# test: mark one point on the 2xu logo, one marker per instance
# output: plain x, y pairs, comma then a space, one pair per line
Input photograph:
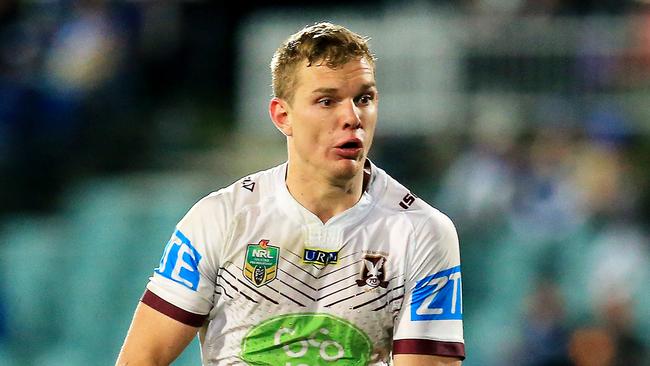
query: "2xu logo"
248, 184
438, 297
309, 339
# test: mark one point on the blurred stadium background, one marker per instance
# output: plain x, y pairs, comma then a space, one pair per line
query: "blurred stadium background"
527, 122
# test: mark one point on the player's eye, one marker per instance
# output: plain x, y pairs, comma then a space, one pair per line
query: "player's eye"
325, 102
365, 99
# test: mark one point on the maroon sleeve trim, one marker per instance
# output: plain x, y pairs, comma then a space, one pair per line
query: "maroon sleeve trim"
172, 311
429, 347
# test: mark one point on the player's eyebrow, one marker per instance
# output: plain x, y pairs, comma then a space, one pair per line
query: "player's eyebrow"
368, 86
325, 91
364, 87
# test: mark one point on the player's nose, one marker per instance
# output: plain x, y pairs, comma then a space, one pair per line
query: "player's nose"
350, 115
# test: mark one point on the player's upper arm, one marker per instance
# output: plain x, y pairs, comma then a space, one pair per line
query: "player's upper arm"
430, 320
424, 360
154, 339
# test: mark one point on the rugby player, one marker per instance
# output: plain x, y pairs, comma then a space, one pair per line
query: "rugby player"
322, 260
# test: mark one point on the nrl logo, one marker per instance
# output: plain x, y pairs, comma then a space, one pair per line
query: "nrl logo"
373, 274
261, 263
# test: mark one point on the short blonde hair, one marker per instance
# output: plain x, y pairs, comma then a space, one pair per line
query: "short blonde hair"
321, 43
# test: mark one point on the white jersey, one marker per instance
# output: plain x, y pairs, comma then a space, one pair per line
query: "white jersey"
272, 285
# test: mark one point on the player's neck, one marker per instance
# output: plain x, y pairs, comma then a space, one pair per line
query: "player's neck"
324, 197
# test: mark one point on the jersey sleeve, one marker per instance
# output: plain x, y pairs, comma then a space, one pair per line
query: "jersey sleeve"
183, 284
430, 319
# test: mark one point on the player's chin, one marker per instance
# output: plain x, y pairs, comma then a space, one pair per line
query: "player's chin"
347, 168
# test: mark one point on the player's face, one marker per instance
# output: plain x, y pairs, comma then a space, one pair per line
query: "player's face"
333, 117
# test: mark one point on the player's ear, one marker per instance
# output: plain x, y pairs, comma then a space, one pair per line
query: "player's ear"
279, 112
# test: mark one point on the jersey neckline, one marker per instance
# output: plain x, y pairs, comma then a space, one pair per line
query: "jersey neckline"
351, 216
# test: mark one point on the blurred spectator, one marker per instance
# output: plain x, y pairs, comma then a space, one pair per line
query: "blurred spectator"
478, 186
86, 51
597, 66
592, 346
616, 261
619, 319
611, 340
59, 63
636, 49
21, 44
546, 202
545, 330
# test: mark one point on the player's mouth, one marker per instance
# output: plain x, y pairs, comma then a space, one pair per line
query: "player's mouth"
350, 148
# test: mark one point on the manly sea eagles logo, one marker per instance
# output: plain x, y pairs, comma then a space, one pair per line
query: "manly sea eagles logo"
373, 273
261, 263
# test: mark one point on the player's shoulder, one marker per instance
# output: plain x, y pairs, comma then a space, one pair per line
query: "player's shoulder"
248, 190
397, 199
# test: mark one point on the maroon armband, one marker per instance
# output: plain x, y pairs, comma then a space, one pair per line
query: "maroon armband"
173, 311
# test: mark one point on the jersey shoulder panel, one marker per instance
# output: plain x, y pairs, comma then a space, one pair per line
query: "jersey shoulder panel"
218, 209
432, 230
430, 318
248, 190
400, 200
189, 268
